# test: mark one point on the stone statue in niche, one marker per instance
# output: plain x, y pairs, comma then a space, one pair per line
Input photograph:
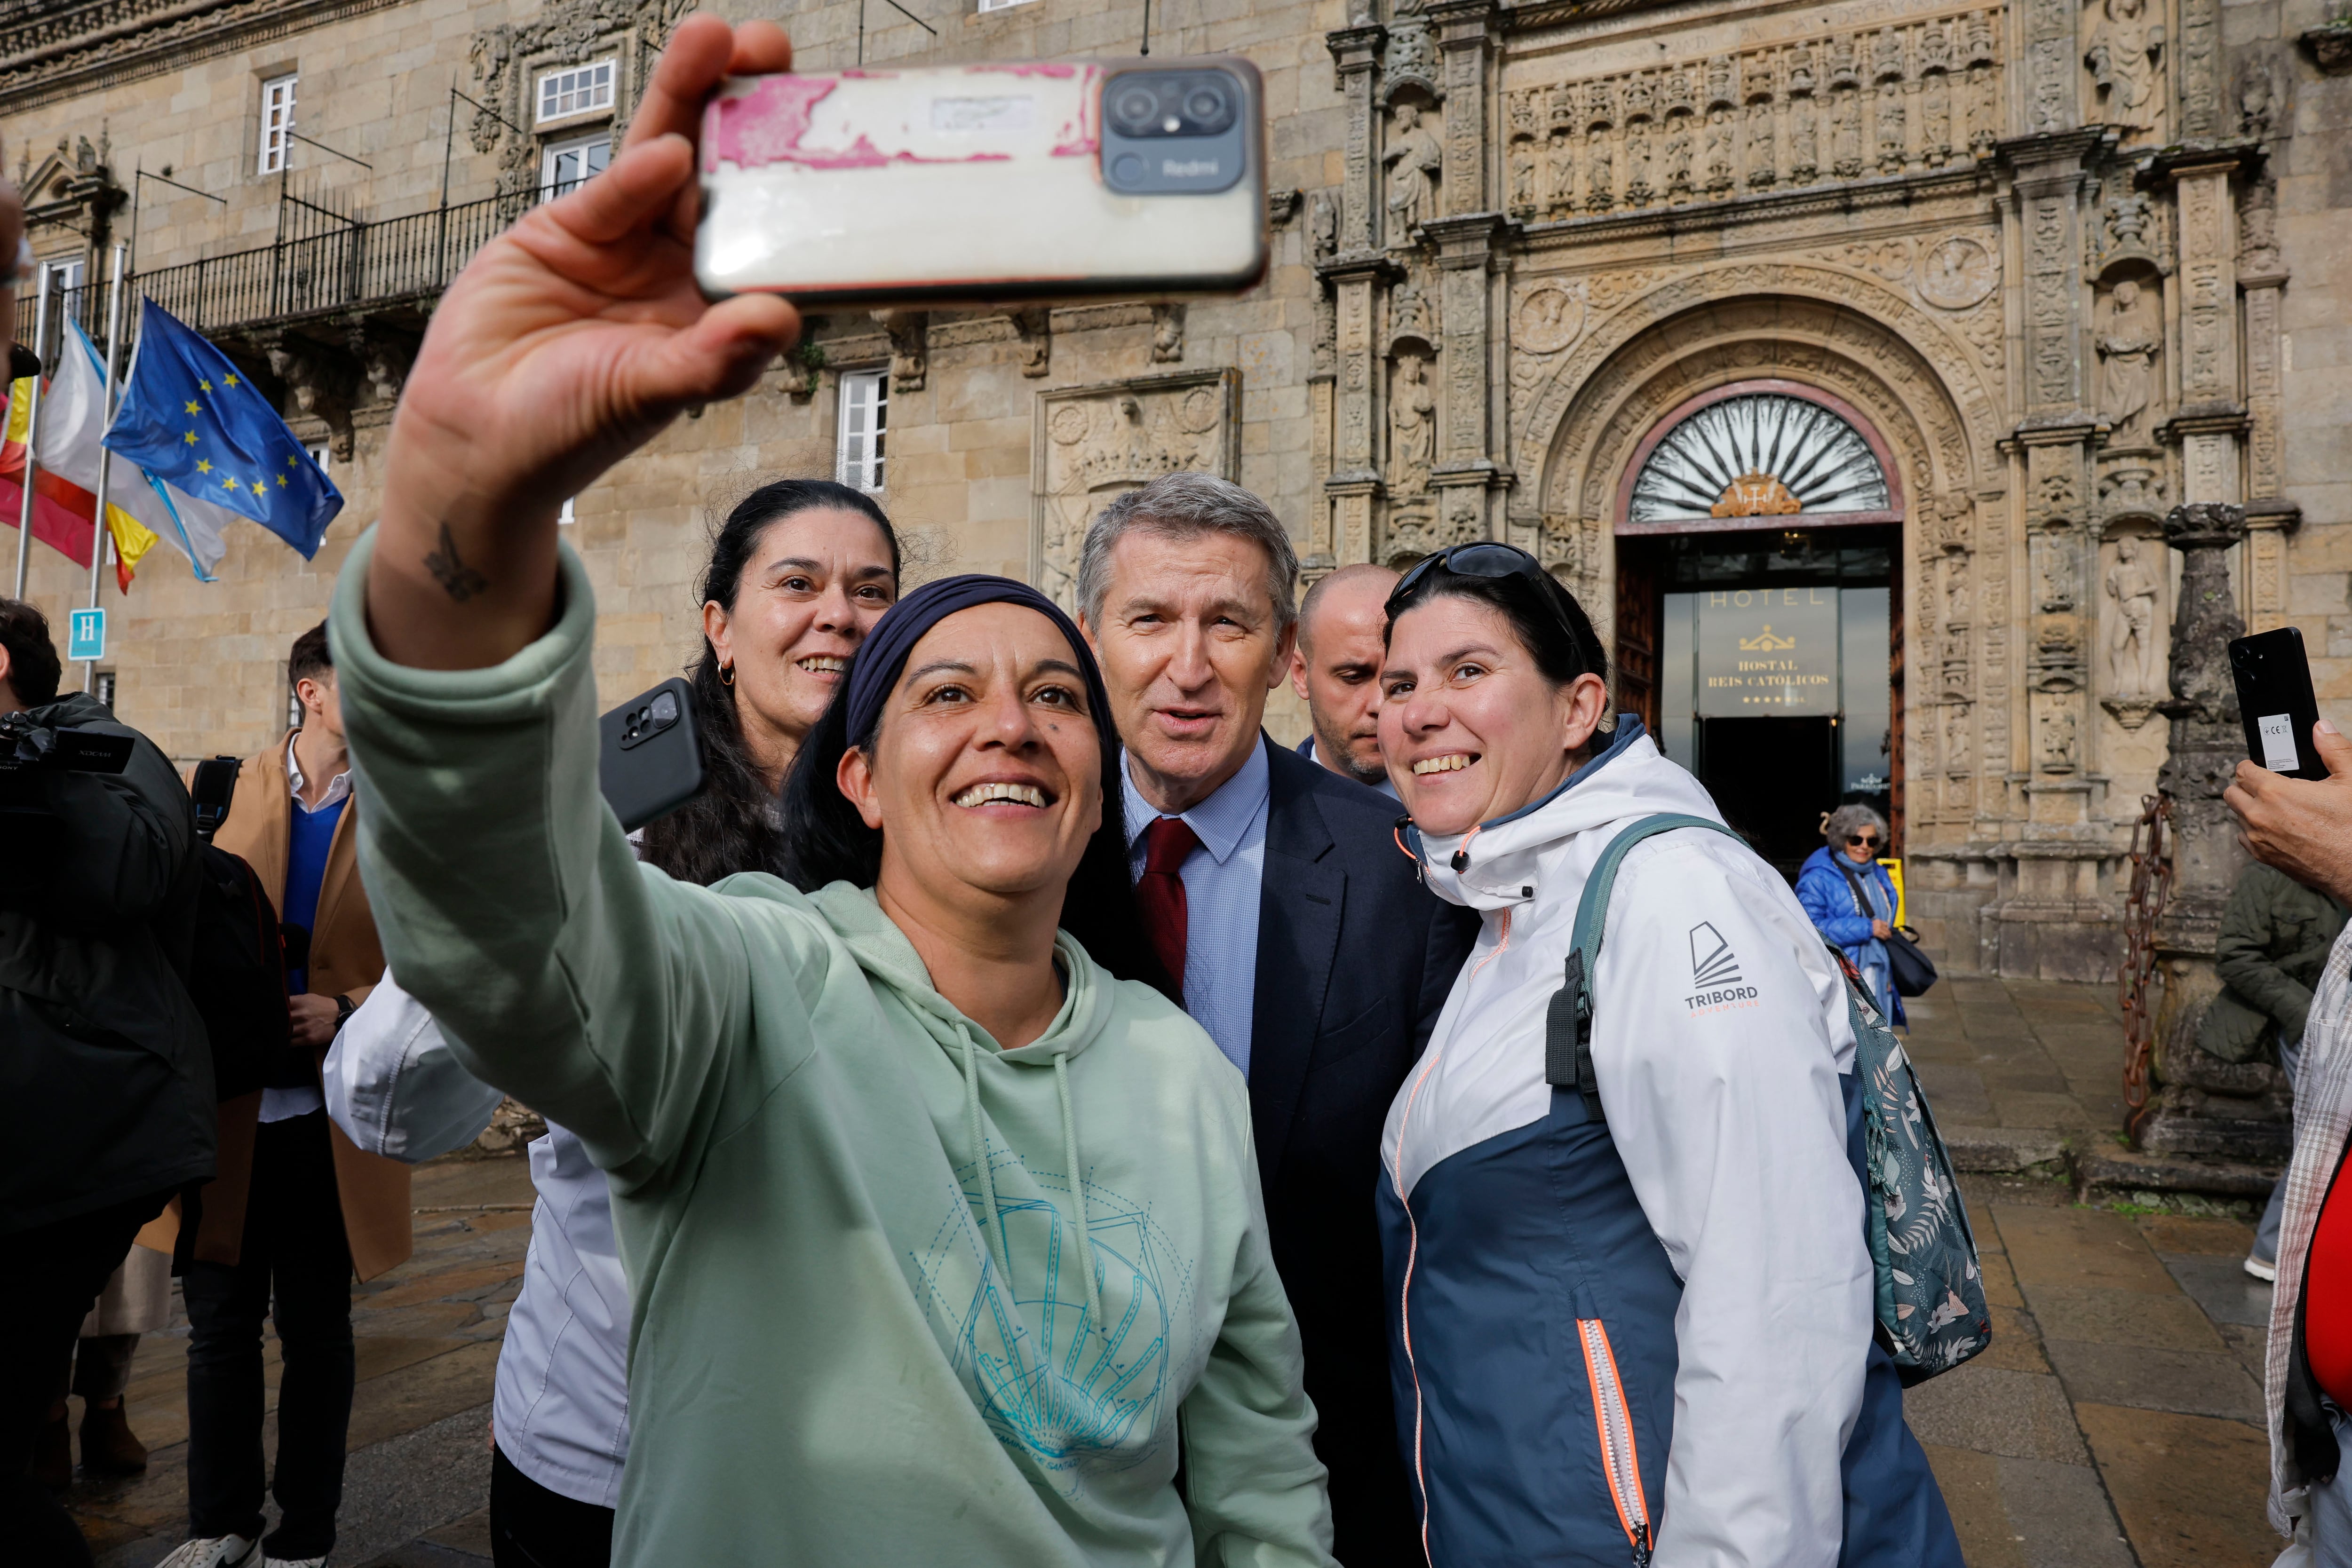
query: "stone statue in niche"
2127, 345
1559, 172
1678, 155
1414, 161
2125, 49
1412, 428
2058, 740
2137, 589
1523, 177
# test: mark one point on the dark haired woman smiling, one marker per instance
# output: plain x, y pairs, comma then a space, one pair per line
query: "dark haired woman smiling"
1644, 1339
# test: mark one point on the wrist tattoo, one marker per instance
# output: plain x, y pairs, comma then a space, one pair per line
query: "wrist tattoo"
457, 579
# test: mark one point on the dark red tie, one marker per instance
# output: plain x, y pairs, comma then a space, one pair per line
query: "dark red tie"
1161, 890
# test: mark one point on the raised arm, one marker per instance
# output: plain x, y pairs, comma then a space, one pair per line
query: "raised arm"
568, 341
394, 1087
601, 993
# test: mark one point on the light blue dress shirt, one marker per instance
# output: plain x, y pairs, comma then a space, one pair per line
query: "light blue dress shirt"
1223, 881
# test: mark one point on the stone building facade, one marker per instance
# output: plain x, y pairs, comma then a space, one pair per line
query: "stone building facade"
1934, 308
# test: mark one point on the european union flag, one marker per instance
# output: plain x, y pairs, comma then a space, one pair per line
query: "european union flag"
189, 417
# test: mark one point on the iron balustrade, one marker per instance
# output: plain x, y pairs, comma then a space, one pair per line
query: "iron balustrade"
359, 264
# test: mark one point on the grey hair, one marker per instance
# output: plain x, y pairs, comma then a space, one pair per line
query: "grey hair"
1183, 505
1851, 817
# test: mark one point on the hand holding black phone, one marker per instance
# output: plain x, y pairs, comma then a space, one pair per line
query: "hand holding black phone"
651, 760
2275, 699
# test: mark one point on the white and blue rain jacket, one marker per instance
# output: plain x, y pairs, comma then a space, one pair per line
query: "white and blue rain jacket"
1648, 1341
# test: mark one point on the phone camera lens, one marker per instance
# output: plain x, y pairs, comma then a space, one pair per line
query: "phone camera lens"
1135, 108
665, 709
1206, 107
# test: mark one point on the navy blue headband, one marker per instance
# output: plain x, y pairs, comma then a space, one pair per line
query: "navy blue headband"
875, 667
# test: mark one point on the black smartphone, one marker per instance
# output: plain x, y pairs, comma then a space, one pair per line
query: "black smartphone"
651, 761
2275, 699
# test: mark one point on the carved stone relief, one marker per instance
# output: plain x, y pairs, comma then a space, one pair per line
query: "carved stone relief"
1415, 161
1094, 443
1412, 430
910, 351
2124, 57
2135, 588
1548, 317
1956, 272
2129, 339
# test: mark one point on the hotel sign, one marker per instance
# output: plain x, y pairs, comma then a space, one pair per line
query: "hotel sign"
1765, 652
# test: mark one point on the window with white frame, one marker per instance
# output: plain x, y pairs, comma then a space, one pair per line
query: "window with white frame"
865, 410
319, 456
277, 123
988, 5
577, 90
565, 164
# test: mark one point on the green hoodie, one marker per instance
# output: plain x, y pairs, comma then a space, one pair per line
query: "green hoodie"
853, 1340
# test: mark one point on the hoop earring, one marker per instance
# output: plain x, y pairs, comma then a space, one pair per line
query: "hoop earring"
725, 674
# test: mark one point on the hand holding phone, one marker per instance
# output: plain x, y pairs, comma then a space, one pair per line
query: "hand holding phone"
650, 763
2276, 702
986, 183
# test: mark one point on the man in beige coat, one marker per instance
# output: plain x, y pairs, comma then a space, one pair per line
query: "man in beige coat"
297, 1208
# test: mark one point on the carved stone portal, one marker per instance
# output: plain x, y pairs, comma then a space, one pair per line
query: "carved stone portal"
1092, 443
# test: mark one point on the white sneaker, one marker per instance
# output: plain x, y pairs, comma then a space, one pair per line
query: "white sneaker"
215, 1552
2262, 1269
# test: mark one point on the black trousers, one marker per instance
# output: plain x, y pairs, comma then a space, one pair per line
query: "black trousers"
55, 1271
295, 1268
533, 1527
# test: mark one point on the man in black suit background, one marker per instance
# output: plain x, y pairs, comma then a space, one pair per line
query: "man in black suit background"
1336, 668
1300, 934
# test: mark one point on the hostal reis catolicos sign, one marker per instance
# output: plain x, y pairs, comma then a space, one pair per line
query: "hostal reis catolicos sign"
1768, 650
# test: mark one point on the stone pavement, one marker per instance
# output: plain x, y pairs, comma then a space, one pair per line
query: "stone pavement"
2116, 1420
417, 1487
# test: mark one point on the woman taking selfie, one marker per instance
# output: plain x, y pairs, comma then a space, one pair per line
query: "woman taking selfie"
1646, 1337
798, 574
934, 1219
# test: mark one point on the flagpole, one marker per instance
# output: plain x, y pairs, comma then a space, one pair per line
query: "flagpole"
99, 533
32, 430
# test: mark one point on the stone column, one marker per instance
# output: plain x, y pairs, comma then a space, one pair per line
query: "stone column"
2235, 1110
2269, 516
1353, 275
2211, 415
1468, 248
1464, 37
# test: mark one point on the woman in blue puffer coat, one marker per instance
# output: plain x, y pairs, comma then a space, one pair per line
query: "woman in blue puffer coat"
1851, 899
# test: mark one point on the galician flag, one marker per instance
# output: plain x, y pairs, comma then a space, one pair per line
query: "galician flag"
190, 418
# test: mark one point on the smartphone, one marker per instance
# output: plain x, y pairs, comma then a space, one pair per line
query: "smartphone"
2274, 697
651, 760
212, 791
979, 184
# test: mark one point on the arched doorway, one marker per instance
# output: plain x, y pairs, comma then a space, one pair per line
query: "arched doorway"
1758, 551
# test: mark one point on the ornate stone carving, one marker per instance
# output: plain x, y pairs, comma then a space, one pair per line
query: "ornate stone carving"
322, 380
1956, 272
909, 357
2137, 587
1547, 318
2130, 336
2127, 71
1035, 326
1167, 334
1412, 429
1094, 443
1415, 160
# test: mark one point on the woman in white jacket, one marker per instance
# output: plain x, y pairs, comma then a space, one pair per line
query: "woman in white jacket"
1646, 1338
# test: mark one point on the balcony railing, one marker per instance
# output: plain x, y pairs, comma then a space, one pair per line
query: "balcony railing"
355, 265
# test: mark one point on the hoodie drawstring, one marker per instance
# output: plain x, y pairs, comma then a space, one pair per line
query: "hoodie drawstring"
980, 1143
1078, 1188
1070, 1157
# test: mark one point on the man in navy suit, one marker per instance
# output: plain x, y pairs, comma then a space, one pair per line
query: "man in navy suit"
1299, 931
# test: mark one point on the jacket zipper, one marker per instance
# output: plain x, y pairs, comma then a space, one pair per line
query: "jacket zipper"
1614, 1422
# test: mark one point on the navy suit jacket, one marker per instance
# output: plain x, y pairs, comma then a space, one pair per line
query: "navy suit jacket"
1355, 958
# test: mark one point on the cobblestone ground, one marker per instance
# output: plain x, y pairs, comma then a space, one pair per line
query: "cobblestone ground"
2116, 1419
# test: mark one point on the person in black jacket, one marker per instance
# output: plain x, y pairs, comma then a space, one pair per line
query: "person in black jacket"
106, 1090
1298, 930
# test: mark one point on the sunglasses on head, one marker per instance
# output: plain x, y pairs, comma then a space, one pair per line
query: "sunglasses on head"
1486, 558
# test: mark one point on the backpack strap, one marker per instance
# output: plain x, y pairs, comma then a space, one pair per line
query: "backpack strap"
1568, 1022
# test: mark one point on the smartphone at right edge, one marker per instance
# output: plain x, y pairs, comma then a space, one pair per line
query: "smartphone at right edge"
2275, 698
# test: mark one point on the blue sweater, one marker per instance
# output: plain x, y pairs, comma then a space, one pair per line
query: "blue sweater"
306, 870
